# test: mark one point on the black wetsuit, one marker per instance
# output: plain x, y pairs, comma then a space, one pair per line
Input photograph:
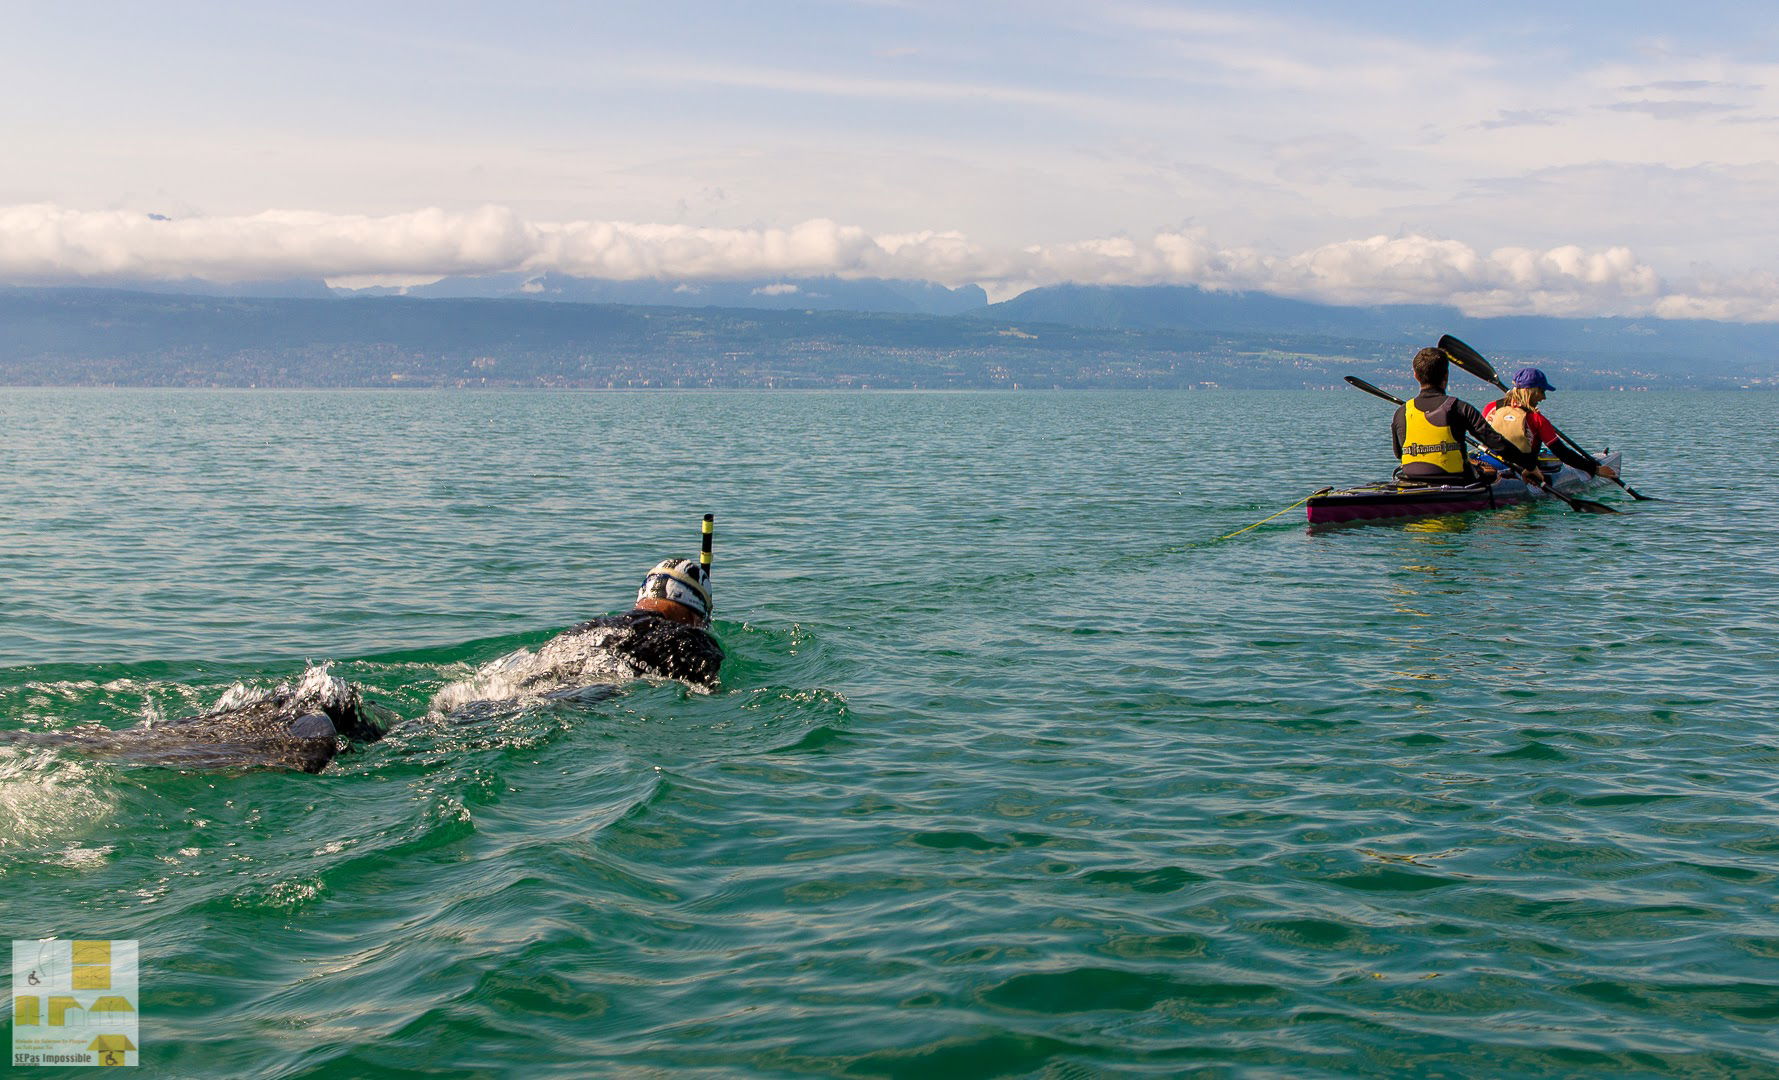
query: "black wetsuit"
301, 728
1461, 417
659, 645
589, 662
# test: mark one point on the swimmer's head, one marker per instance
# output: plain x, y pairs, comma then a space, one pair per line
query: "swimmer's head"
677, 589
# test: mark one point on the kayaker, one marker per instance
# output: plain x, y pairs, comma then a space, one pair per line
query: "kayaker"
1517, 419
1428, 433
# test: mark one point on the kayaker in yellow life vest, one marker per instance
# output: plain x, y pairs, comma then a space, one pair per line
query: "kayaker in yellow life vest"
1429, 433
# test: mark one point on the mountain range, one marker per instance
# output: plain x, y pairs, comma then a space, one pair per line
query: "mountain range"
546, 331
778, 294
1664, 342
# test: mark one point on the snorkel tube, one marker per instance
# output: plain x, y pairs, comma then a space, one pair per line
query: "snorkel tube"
704, 561
704, 552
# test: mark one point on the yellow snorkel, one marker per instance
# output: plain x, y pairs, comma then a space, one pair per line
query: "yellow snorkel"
704, 552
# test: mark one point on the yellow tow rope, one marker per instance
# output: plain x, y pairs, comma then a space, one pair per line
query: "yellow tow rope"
1286, 510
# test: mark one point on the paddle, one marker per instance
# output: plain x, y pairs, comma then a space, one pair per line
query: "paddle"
1472, 361
1584, 506
1374, 391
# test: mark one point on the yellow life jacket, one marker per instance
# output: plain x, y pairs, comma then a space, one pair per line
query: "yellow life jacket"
1427, 443
1510, 422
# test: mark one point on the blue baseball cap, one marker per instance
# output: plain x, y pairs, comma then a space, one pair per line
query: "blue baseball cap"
1530, 378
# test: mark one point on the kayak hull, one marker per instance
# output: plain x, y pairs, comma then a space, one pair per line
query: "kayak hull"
1389, 500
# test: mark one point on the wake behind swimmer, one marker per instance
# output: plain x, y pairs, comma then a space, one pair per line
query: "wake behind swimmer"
666, 634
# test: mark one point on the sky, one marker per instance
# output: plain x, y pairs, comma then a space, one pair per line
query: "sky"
1509, 158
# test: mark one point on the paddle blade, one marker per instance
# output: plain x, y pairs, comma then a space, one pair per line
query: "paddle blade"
1469, 359
1580, 506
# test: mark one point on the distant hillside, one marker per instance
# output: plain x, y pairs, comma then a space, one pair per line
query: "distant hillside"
1169, 306
1605, 351
269, 289
1667, 345
773, 294
100, 337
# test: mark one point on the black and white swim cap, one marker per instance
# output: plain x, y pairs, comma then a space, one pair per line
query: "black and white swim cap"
681, 581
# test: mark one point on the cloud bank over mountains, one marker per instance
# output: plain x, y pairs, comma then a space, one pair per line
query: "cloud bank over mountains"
49, 244
1505, 158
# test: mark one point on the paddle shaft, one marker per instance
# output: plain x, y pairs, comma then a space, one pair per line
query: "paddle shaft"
1361, 384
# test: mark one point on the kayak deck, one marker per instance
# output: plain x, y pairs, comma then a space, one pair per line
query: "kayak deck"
1389, 499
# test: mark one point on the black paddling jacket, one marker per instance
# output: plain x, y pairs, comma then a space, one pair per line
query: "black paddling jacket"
1461, 418
666, 648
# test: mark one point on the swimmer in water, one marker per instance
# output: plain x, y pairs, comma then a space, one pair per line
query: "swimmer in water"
666, 634
287, 727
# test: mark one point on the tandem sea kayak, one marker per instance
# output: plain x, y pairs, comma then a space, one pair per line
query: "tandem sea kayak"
1391, 499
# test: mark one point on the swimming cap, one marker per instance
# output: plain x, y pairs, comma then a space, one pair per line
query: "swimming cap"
678, 580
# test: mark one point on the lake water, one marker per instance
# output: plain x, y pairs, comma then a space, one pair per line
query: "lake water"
1016, 767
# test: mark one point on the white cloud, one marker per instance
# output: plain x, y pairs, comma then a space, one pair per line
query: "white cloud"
47, 241
1263, 53
844, 85
1752, 297
1377, 270
1295, 125
1509, 118
1684, 86
783, 288
1673, 110
48, 244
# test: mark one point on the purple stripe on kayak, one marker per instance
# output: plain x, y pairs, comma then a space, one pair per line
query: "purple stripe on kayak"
1331, 512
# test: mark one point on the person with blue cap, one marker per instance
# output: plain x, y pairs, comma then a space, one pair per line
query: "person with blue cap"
1517, 419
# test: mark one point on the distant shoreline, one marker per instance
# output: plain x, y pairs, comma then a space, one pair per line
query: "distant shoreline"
87, 337
814, 390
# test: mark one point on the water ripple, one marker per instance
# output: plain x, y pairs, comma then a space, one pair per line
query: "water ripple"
1015, 767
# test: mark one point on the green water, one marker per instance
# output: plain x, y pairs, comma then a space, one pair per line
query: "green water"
1014, 769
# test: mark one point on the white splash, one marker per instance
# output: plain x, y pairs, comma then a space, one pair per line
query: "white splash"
569, 660
330, 690
45, 797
